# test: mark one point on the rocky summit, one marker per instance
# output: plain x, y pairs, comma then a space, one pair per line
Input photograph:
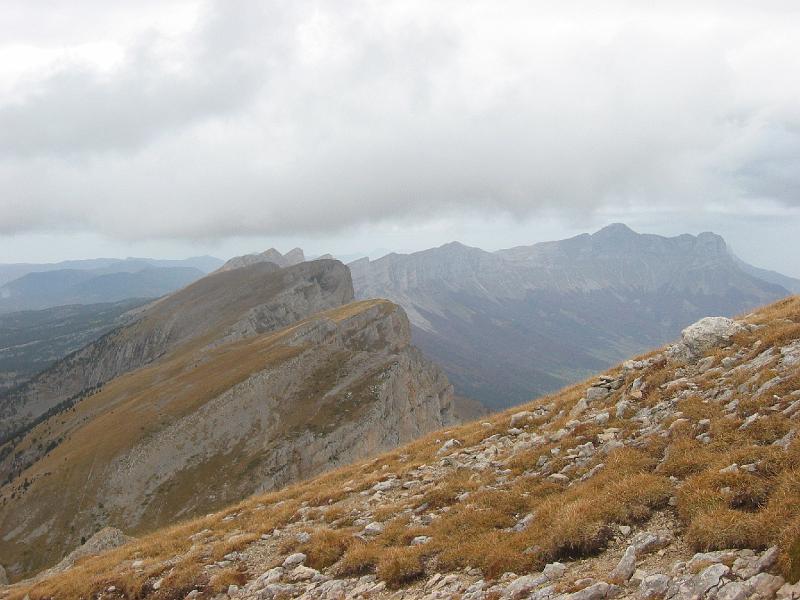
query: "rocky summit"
672, 476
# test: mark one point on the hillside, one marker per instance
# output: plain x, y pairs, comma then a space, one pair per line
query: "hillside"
673, 475
221, 306
32, 340
509, 325
244, 386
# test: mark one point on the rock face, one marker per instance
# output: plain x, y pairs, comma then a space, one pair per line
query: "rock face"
227, 306
251, 379
513, 324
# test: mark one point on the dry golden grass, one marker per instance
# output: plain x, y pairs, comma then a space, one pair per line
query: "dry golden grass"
220, 582
718, 511
326, 547
398, 566
359, 559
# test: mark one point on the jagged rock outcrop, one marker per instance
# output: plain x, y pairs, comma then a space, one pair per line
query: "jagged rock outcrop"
676, 479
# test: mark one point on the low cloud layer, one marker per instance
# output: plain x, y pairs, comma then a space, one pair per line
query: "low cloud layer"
281, 118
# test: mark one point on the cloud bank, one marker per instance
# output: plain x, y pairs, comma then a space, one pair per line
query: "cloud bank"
274, 118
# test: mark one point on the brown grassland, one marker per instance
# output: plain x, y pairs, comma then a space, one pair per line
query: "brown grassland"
715, 510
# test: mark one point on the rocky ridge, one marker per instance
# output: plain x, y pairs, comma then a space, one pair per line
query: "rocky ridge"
227, 306
672, 476
253, 388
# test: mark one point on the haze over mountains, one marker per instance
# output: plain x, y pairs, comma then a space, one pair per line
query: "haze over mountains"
39, 286
9, 272
31, 340
510, 325
505, 325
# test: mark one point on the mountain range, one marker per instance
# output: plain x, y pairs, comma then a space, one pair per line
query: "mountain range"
513, 324
36, 291
11, 271
243, 381
271, 369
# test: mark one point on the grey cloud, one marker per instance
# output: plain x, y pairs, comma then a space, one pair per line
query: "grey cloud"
77, 110
309, 117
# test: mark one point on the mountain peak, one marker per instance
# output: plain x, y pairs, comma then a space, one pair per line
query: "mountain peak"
615, 230
293, 257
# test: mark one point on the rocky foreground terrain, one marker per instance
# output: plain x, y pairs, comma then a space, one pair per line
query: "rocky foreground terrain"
675, 475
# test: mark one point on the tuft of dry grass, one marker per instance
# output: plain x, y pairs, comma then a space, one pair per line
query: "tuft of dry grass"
398, 566
789, 559
359, 559
221, 581
326, 547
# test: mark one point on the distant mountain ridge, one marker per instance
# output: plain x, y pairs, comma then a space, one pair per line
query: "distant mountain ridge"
36, 291
509, 325
11, 271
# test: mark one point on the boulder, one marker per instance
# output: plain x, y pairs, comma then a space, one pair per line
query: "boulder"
373, 528
293, 560
596, 591
645, 542
520, 418
789, 591
710, 578
554, 570
522, 586
625, 567
523, 523
703, 335
595, 393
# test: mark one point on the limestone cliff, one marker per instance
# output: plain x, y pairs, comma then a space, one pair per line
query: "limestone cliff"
233, 304
210, 425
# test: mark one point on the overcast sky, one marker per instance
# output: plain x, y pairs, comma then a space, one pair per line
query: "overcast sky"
160, 127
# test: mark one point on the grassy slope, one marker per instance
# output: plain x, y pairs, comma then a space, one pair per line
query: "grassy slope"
763, 508
128, 410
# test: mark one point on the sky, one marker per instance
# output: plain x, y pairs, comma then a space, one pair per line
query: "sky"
172, 128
